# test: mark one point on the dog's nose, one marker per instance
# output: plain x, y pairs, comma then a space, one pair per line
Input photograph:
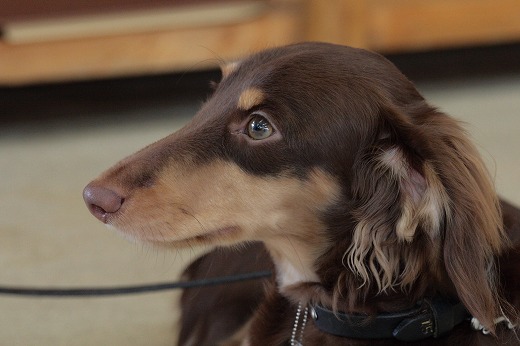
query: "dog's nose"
101, 201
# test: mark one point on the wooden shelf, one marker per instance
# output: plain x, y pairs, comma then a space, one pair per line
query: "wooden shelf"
411, 25
136, 53
381, 25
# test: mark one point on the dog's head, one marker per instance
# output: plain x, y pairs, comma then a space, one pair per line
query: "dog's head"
330, 156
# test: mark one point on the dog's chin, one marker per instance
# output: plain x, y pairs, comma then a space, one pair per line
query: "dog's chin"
221, 236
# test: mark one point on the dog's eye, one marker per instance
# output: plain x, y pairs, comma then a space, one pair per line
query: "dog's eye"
259, 128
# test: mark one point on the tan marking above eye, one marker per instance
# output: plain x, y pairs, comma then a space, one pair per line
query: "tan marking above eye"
250, 98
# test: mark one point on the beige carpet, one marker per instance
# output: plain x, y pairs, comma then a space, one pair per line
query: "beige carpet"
49, 238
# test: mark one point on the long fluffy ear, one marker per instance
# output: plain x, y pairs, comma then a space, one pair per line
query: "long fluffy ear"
474, 232
400, 212
426, 206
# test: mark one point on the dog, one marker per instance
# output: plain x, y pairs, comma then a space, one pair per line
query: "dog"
374, 209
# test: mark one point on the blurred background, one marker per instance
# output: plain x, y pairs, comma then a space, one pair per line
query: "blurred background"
84, 83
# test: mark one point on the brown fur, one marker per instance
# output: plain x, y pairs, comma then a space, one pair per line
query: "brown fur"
366, 198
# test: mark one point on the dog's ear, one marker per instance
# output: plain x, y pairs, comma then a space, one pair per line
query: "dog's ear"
426, 204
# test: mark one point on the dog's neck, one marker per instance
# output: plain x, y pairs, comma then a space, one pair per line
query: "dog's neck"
294, 262
296, 271
298, 280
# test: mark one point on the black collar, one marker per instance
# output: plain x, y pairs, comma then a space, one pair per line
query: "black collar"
430, 318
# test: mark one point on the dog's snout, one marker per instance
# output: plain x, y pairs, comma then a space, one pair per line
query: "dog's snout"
102, 201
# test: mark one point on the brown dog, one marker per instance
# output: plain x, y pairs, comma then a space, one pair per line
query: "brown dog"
375, 208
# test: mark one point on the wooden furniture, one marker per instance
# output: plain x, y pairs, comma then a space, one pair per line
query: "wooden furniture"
157, 44
179, 47
411, 25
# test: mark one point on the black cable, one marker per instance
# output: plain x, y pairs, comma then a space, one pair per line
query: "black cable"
92, 292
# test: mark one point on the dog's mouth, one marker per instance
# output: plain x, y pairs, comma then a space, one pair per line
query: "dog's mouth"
142, 223
223, 235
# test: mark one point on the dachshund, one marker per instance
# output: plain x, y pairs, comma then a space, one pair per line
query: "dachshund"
323, 162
